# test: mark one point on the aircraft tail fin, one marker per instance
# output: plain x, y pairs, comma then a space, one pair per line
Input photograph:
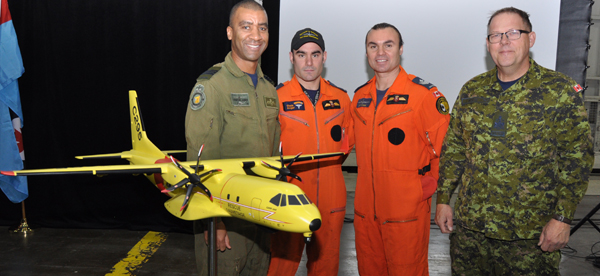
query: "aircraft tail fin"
139, 139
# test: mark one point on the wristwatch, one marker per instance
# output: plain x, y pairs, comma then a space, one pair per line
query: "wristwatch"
561, 218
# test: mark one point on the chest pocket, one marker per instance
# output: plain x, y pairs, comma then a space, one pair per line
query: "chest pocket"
272, 121
397, 136
530, 138
239, 123
474, 119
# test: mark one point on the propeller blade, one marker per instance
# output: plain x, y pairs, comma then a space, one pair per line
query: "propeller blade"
176, 186
280, 153
283, 170
295, 158
198, 162
180, 166
194, 178
296, 177
187, 197
211, 171
269, 165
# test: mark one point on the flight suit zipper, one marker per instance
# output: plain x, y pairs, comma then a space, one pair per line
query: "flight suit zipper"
262, 121
295, 118
431, 144
372, 168
395, 115
331, 118
398, 221
318, 151
335, 210
359, 117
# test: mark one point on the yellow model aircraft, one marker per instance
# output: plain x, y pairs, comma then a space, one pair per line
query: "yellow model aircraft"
245, 188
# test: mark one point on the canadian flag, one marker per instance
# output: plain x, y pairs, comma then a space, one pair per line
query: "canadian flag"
16, 122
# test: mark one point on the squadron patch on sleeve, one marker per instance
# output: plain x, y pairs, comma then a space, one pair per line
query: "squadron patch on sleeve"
198, 97
331, 104
442, 105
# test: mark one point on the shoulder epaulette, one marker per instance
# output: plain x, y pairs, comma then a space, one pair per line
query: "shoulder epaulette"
280, 85
337, 87
362, 86
209, 73
422, 82
269, 80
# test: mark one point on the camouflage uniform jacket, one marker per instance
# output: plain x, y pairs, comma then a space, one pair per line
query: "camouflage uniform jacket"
231, 117
521, 155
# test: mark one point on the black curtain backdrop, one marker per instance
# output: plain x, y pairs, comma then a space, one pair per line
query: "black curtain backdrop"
81, 58
573, 37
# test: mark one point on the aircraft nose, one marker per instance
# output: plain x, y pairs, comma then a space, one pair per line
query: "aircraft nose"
315, 224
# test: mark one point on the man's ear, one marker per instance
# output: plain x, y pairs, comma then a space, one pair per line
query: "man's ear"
229, 33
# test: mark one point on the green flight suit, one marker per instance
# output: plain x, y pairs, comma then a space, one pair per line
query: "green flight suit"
233, 119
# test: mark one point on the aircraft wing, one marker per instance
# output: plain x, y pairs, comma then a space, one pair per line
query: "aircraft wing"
119, 155
255, 163
94, 170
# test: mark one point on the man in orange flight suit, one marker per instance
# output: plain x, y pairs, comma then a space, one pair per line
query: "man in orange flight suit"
315, 118
400, 122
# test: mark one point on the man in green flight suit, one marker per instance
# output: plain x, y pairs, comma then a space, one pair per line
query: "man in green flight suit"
519, 144
233, 110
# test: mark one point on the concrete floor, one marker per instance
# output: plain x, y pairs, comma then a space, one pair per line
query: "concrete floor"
50, 251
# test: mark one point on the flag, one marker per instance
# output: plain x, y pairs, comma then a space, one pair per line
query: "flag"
11, 116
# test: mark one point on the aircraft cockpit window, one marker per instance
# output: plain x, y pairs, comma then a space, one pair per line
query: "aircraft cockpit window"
309, 201
303, 199
283, 202
275, 200
293, 200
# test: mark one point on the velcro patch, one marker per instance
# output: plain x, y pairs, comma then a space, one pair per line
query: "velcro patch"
240, 99
364, 102
442, 106
421, 81
471, 100
198, 97
397, 99
331, 104
578, 88
499, 126
293, 106
270, 102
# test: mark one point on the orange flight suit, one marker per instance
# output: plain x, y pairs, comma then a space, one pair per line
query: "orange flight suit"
319, 128
397, 151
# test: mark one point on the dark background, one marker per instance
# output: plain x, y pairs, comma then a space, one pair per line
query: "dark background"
81, 58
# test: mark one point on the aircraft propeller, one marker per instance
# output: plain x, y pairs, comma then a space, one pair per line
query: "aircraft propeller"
193, 179
284, 170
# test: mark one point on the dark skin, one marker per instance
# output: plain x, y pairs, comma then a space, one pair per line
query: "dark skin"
249, 35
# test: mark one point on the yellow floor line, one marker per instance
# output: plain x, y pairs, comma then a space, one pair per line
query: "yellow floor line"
139, 254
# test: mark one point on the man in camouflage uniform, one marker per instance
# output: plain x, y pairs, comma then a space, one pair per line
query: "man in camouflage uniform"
520, 147
233, 111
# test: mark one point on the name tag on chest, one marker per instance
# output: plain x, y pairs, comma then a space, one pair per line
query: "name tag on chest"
240, 99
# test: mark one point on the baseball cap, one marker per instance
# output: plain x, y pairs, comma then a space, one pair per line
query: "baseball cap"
307, 35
